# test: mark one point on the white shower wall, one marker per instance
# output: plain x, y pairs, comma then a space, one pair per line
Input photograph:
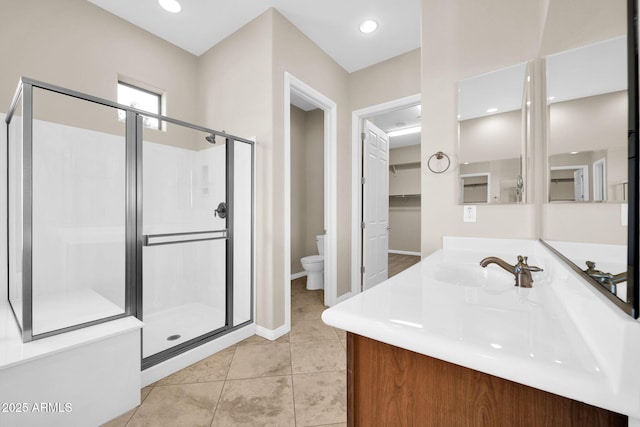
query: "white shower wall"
79, 216
182, 189
78, 211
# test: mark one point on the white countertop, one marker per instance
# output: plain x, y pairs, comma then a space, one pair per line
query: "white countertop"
450, 308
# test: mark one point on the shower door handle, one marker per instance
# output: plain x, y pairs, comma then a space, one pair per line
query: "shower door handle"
221, 211
183, 237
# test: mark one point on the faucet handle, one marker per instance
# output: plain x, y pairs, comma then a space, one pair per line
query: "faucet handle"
522, 263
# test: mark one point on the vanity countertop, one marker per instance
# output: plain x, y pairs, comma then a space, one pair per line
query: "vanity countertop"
450, 308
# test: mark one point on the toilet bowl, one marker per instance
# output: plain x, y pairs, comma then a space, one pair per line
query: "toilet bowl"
314, 266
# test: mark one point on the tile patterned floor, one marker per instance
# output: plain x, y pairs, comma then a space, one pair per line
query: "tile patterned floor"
297, 380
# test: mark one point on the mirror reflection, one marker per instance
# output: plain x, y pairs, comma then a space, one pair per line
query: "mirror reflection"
492, 123
584, 48
587, 111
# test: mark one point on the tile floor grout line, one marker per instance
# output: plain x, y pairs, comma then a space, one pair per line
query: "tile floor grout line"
293, 388
138, 407
308, 303
215, 409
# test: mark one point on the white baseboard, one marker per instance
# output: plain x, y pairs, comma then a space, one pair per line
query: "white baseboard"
392, 251
272, 334
163, 369
298, 275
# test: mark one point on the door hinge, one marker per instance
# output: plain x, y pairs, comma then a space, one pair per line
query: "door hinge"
363, 136
363, 225
363, 180
362, 269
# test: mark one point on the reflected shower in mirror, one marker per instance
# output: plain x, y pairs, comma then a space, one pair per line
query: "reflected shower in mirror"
587, 108
492, 129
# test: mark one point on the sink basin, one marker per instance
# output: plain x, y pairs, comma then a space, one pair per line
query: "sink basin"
490, 278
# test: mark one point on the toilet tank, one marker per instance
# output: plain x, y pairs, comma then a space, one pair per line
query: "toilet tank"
320, 244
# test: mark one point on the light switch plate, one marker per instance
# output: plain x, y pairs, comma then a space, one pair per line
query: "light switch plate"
624, 215
469, 213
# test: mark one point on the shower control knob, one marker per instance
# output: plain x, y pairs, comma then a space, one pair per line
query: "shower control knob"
222, 210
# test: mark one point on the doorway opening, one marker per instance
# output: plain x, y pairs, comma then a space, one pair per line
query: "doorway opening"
324, 222
569, 183
400, 120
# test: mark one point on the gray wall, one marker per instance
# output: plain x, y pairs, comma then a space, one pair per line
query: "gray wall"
307, 183
236, 86
460, 39
404, 212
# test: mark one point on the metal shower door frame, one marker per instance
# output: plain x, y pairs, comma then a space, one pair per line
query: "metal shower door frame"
134, 240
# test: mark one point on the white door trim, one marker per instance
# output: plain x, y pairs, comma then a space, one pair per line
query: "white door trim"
471, 175
306, 92
356, 173
600, 180
585, 177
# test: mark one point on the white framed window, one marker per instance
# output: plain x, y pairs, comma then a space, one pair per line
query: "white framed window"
142, 99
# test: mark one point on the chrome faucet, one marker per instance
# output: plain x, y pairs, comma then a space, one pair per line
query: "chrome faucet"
521, 271
607, 280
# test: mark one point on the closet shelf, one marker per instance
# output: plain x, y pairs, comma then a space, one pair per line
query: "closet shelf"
404, 196
402, 166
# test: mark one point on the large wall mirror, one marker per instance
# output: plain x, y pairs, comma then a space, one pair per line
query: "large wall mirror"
493, 117
587, 116
591, 179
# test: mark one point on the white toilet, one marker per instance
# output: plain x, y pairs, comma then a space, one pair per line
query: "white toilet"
314, 266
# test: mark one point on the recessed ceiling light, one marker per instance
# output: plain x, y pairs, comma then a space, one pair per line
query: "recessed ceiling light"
492, 110
574, 152
170, 5
368, 26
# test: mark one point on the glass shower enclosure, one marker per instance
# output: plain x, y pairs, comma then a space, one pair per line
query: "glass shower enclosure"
107, 218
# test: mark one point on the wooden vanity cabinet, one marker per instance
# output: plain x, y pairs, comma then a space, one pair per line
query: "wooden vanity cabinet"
391, 386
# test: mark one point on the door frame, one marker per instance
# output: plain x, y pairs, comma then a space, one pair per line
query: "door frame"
471, 175
309, 94
585, 177
357, 117
600, 180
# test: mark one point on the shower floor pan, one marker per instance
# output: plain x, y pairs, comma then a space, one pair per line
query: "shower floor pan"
165, 329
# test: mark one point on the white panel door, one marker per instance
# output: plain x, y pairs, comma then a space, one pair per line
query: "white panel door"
578, 184
375, 206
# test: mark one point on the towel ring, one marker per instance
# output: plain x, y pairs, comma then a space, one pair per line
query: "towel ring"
439, 156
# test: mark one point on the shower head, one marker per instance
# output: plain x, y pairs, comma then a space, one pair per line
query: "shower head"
210, 139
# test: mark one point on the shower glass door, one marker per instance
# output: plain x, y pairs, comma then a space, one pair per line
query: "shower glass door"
184, 234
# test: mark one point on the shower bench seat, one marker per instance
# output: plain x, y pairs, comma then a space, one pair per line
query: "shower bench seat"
83, 377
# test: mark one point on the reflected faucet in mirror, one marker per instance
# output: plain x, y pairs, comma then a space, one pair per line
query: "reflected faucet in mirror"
521, 270
607, 280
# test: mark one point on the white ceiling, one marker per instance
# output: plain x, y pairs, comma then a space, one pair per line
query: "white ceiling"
332, 24
501, 89
399, 119
590, 70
